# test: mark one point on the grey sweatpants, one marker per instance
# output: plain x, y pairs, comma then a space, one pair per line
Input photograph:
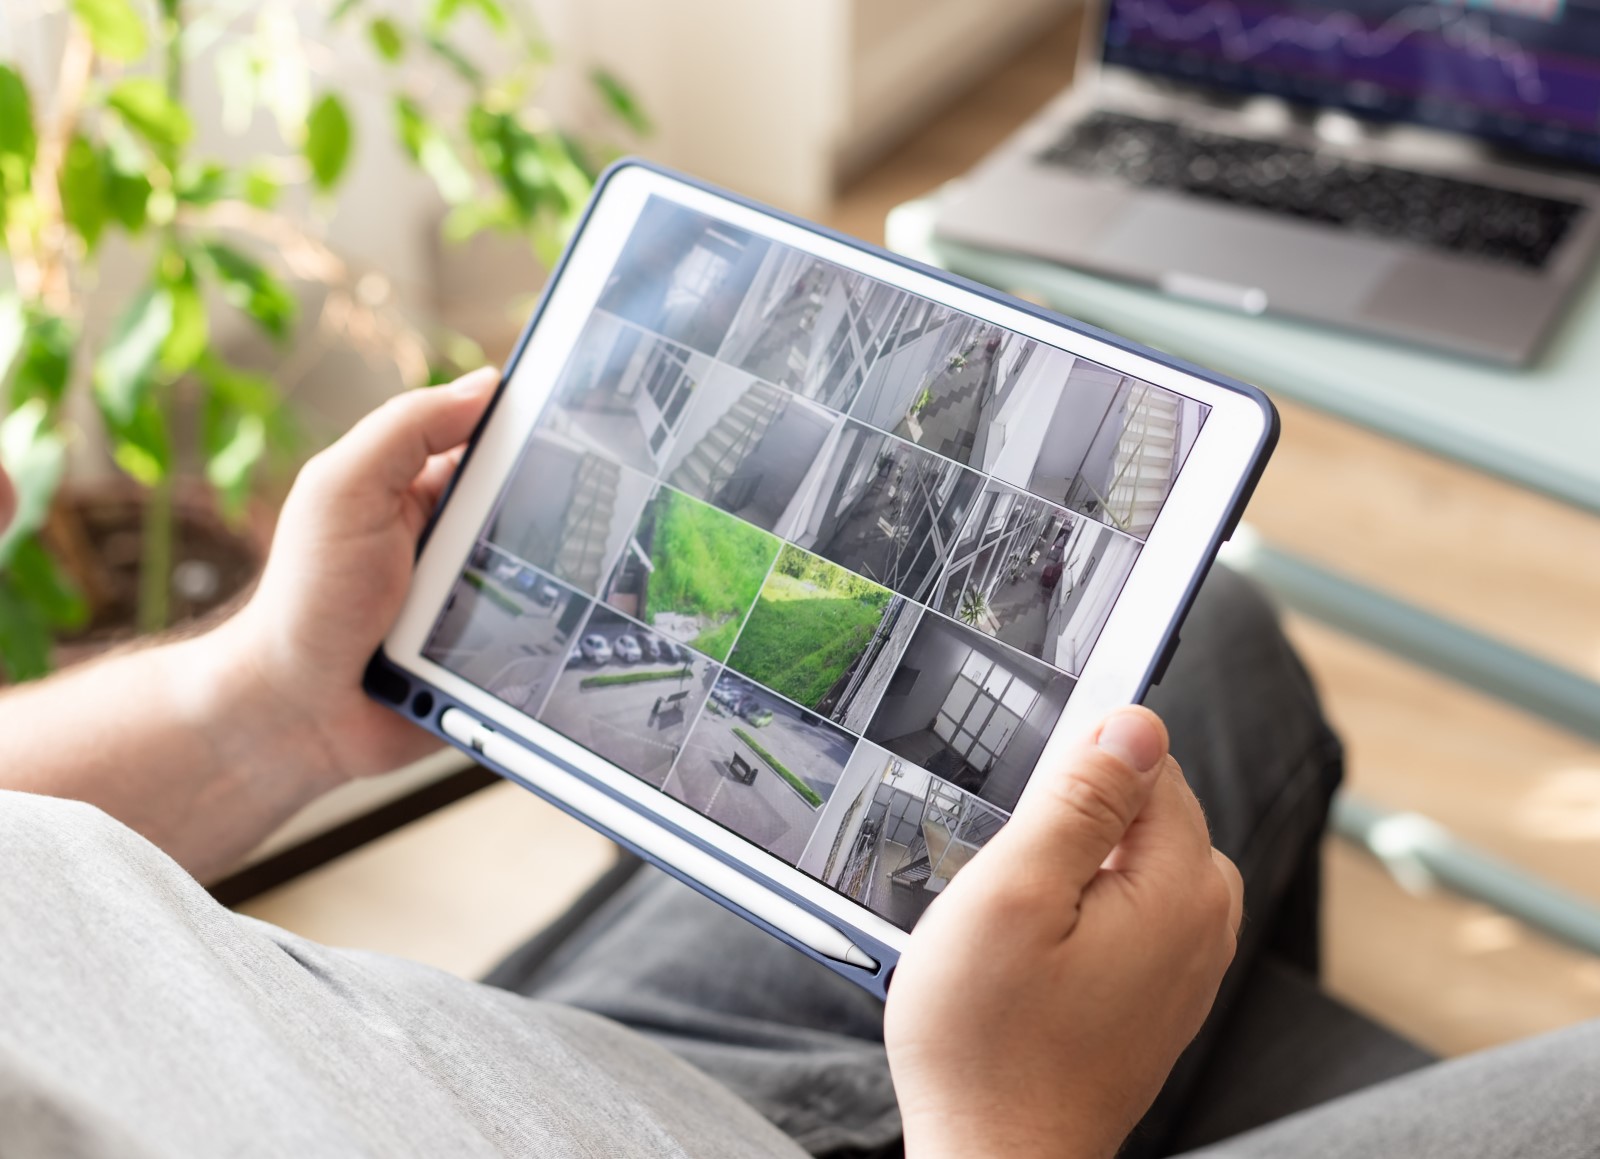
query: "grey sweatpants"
139, 1018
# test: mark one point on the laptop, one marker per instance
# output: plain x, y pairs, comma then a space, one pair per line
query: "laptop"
1428, 172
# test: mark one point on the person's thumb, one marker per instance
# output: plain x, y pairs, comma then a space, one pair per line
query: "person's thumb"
1071, 817
387, 448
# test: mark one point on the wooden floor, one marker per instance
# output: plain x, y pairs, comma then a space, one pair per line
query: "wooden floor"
461, 887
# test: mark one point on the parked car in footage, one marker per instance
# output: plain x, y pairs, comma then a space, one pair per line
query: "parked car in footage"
627, 649
547, 594
756, 713
651, 647
596, 648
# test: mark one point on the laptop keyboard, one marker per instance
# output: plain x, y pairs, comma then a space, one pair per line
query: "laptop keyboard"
1441, 213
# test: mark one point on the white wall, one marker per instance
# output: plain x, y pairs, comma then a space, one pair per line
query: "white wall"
938, 657
780, 99
866, 768
1029, 416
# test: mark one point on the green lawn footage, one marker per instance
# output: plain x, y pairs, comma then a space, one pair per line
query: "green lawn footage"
812, 621
708, 565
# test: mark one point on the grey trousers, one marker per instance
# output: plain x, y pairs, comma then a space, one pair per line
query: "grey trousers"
805, 1048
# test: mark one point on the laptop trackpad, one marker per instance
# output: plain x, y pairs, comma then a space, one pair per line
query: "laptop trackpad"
1299, 267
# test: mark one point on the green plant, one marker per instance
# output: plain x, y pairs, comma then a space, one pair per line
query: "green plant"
973, 607
492, 592
812, 623
807, 793
706, 564
117, 155
609, 681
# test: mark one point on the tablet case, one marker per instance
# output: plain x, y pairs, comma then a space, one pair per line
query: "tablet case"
413, 696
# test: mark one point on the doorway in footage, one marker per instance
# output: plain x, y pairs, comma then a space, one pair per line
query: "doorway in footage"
895, 835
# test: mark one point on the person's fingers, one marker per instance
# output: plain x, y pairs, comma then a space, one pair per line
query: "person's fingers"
1170, 837
435, 476
389, 448
1072, 817
1235, 884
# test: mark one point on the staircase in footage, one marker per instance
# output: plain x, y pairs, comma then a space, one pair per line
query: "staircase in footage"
1145, 461
714, 463
581, 556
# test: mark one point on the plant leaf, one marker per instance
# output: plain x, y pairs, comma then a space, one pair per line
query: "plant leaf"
241, 421
455, 58
429, 148
190, 332
35, 598
146, 109
202, 183
232, 467
123, 371
387, 39
342, 9
114, 28
493, 13
328, 139
142, 446
46, 359
261, 189
13, 329
44, 585
82, 185
127, 188
34, 454
17, 141
24, 635
249, 287
621, 101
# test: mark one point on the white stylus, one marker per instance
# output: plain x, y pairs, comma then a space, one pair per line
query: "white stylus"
639, 831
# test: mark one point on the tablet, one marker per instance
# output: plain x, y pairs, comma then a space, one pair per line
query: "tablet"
784, 561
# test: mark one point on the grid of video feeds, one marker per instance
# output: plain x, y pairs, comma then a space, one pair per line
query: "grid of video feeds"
817, 557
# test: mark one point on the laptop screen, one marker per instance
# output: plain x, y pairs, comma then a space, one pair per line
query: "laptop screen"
1525, 72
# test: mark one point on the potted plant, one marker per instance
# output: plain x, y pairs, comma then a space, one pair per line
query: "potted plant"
112, 153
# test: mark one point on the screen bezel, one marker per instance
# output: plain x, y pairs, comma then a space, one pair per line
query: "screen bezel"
1221, 465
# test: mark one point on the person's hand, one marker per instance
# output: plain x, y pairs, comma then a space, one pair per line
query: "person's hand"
1047, 992
337, 576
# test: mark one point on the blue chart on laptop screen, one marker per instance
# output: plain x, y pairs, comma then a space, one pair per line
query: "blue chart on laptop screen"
817, 557
1525, 71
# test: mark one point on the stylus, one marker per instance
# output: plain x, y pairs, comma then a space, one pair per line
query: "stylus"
638, 830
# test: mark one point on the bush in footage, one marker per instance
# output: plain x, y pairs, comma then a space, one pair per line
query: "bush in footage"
615, 678
807, 793
812, 621
706, 564
492, 593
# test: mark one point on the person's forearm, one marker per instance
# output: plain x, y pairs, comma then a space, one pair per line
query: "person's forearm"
179, 741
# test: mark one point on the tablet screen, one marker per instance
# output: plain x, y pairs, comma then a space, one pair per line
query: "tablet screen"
817, 557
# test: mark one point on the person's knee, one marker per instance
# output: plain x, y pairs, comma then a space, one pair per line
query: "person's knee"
45, 839
1231, 644
1231, 614
1245, 720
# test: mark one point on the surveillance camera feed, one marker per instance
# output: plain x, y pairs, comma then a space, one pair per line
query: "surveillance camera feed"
817, 557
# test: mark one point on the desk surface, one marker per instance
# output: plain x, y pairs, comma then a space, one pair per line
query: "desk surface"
1539, 428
